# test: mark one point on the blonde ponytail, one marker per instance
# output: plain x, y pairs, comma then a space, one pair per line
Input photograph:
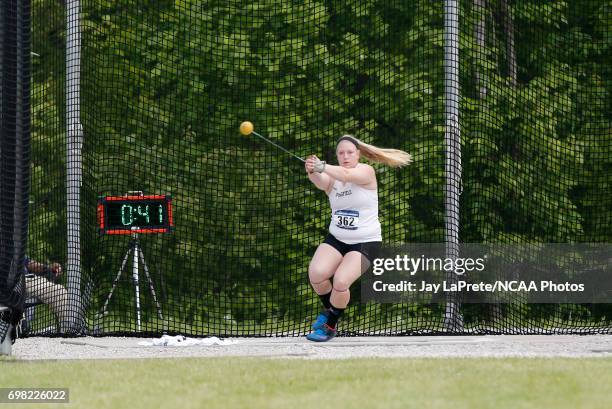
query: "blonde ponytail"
390, 157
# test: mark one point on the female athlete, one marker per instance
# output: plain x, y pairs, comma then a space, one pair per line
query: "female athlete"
354, 231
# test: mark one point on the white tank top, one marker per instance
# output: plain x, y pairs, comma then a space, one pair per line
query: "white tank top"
354, 213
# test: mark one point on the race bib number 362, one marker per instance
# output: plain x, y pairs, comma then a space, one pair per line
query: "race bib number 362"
347, 219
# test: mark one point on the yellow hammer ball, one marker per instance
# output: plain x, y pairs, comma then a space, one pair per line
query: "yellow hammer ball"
246, 128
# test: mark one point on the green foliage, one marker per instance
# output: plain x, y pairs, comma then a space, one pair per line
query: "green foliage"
165, 85
530, 159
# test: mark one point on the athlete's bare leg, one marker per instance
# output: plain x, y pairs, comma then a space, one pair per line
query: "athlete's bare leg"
322, 267
349, 270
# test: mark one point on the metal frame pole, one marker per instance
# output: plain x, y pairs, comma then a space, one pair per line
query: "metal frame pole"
74, 171
452, 140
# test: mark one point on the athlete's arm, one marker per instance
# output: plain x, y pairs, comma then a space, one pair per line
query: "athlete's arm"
362, 174
320, 180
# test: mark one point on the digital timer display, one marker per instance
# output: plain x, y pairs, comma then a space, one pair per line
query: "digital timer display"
135, 214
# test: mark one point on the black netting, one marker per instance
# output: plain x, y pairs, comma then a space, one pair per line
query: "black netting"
165, 85
536, 139
14, 156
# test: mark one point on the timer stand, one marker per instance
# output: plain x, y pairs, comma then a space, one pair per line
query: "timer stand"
137, 257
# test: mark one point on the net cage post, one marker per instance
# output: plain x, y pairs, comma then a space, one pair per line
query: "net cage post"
14, 163
74, 165
452, 142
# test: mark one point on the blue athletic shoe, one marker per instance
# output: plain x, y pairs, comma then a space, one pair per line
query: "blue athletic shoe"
325, 333
320, 321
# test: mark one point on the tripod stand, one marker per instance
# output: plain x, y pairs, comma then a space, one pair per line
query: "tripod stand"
137, 256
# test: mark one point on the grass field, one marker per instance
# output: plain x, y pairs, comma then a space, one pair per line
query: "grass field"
281, 383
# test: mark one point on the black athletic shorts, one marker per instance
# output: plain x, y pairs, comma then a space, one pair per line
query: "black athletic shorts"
369, 249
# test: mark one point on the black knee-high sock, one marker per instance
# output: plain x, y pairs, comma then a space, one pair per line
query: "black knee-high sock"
325, 299
334, 315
